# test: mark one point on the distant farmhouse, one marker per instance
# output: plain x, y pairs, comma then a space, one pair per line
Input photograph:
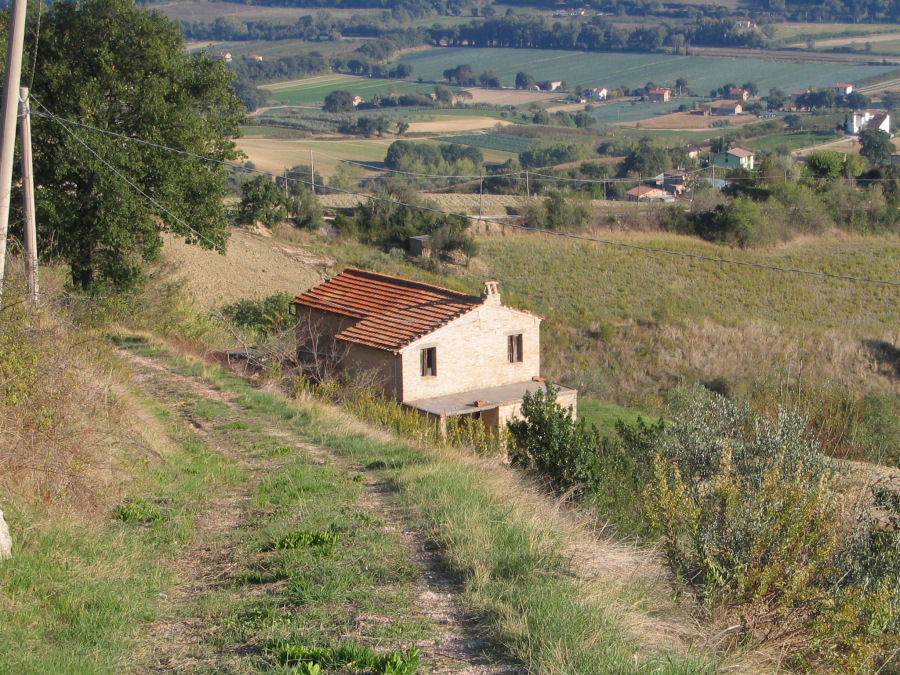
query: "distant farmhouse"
843, 88
659, 95
868, 119
646, 193
735, 158
727, 109
438, 351
738, 94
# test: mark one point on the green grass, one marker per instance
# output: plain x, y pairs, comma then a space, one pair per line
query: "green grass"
794, 140
604, 415
315, 89
616, 69
75, 595
510, 565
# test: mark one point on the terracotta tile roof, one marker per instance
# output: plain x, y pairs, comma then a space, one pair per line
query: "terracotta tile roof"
392, 312
642, 190
740, 152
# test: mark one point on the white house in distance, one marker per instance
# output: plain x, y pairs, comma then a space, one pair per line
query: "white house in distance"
439, 351
842, 88
735, 158
868, 119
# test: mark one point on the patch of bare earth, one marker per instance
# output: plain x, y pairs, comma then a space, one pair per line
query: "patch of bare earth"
177, 640
253, 266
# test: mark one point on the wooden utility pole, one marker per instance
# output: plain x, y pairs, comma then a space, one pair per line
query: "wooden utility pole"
31, 261
8, 116
312, 171
481, 197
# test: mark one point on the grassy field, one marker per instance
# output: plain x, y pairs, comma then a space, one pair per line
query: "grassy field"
635, 70
794, 140
315, 89
554, 276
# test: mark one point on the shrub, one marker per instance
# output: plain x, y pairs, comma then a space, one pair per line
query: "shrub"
267, 315
751, 525
549, 439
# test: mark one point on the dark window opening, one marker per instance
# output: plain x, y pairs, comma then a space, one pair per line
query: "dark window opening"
514, 347
429, 361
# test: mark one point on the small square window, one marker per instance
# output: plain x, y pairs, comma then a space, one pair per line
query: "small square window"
429, 361
514, 348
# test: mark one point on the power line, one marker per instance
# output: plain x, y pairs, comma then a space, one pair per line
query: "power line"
607, 242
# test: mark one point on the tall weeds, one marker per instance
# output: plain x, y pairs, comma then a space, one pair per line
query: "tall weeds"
363, 400
58, 406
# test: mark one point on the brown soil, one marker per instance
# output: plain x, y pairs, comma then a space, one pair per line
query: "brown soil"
685, 121
440, 126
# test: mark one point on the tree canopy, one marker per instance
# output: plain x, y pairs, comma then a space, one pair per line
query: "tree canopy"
875, 145
119, 68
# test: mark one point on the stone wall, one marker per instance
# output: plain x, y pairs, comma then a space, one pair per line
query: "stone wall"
472, 353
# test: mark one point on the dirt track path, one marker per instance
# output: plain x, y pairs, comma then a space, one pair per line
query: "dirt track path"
187, 635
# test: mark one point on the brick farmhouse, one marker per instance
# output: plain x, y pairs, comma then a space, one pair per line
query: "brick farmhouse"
439, 351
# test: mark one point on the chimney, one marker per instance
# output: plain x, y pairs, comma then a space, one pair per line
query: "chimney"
491, 294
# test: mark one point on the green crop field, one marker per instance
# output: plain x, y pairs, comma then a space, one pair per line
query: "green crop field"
504, 142
315, 89
635, 70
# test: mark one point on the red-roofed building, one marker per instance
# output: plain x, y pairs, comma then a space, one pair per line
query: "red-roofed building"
660, 95
440, 351
646, 193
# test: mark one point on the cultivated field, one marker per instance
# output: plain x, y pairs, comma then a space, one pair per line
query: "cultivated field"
859, 40
276, 154
453, 123
315, 89
509, 96
685, 120
791, 29
635, 70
